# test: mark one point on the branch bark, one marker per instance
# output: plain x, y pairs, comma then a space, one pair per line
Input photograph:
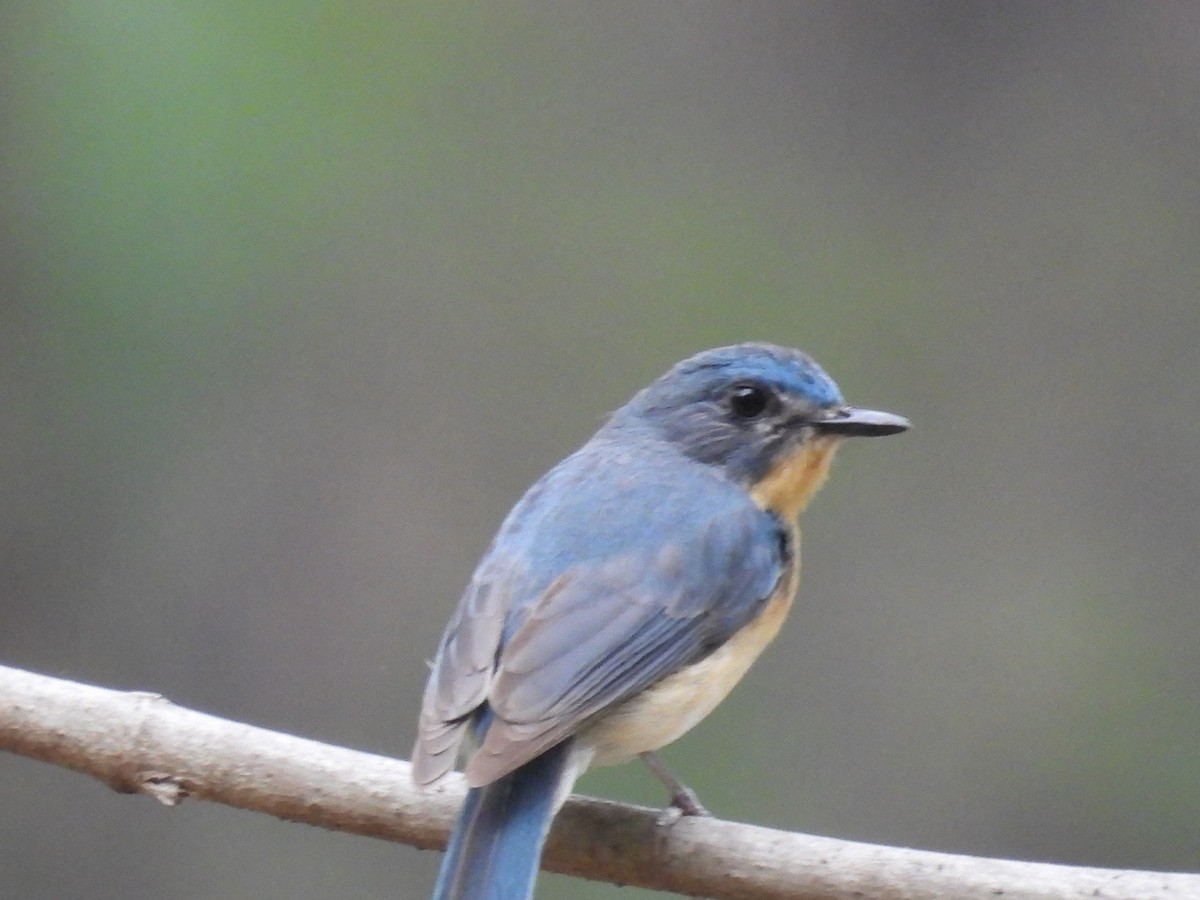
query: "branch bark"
141, 743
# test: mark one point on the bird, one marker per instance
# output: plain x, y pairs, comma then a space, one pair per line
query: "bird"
624, 596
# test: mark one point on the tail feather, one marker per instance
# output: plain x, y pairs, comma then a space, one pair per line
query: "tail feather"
496, 848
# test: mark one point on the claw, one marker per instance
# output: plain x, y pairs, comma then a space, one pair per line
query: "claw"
684, 801
688, 804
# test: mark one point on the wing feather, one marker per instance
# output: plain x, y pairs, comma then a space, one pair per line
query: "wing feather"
615, 627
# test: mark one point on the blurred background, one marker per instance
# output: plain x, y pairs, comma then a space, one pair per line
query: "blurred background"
296, 300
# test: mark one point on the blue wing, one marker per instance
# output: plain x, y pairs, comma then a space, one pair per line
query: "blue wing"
616, 570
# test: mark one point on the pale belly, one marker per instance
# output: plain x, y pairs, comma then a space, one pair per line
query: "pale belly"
664, 712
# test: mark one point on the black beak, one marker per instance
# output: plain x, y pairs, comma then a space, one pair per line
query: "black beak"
851, 422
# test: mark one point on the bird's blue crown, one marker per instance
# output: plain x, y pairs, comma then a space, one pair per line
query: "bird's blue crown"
702, 376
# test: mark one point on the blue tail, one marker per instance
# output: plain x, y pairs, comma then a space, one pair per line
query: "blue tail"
496, 848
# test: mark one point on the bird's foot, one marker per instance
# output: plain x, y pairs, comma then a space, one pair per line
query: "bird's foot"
684, 801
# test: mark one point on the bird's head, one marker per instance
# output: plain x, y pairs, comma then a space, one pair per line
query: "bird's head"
769, 417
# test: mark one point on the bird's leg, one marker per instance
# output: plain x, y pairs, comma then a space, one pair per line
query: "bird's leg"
684, 801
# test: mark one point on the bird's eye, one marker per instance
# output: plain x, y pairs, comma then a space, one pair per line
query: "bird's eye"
749, 401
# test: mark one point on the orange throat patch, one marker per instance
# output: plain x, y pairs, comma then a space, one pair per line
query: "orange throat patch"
790, 484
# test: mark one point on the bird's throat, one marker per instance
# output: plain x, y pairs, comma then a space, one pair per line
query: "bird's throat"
788, 486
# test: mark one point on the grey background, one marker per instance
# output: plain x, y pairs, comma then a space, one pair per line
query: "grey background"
296, 300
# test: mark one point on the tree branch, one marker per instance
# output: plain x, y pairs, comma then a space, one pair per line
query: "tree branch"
141, 743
